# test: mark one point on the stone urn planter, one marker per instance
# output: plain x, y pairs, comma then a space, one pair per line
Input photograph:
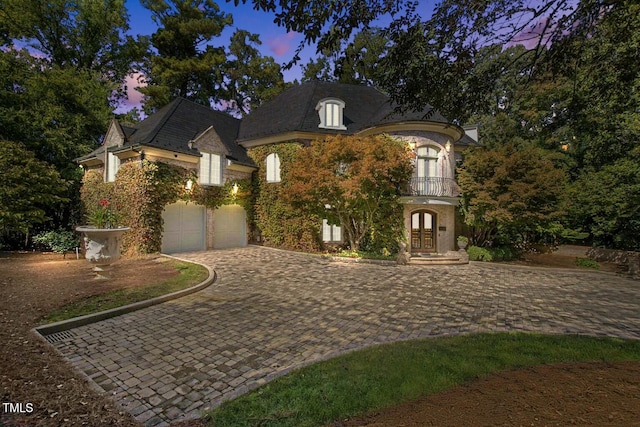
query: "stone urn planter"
102, 246
462, 242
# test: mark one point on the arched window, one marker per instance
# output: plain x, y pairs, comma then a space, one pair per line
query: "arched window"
273, 168
331, 113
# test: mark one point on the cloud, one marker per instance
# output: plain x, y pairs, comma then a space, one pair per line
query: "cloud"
540, 32
133, 81
134, 98
282, 44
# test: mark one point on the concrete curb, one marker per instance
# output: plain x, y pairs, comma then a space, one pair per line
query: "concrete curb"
64, 325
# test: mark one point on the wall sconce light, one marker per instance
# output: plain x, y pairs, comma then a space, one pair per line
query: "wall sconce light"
447, 146
234, 190
189, 185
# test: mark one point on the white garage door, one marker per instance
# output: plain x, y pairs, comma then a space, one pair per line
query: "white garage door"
229, 227
184, 228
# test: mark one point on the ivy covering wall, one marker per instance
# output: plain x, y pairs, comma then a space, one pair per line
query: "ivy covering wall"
281, 225
141, 191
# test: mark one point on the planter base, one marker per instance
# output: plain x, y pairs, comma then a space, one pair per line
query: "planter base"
102, 247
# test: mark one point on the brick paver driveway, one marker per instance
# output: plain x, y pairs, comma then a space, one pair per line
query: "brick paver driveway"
272, 310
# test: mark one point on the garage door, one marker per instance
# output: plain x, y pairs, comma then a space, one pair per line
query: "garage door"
229, 227
184, 228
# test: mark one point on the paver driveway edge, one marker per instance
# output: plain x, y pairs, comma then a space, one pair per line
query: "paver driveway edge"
64, 325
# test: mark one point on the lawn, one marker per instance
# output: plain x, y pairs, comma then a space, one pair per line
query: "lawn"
380, 377
188, 275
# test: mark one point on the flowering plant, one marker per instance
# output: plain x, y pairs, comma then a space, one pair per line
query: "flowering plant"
104, 216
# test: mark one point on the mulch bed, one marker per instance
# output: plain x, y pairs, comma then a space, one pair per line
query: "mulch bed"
32, 285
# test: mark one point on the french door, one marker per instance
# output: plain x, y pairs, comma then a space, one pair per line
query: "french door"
423, 231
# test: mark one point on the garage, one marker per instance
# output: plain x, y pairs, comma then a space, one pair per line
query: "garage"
184, 228
230, 227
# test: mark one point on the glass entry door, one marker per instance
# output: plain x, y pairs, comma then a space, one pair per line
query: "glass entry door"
423, 236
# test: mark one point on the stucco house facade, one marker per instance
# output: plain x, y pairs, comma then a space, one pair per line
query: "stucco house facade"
317, 109
218, 147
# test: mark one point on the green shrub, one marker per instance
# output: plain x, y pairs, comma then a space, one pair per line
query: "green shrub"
490, 254
587, 263
477, 253
58, 241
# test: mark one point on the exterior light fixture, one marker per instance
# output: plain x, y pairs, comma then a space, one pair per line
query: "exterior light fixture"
447, 146
234, 190
189, 185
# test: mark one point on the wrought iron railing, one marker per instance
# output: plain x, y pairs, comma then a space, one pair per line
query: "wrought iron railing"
432, 186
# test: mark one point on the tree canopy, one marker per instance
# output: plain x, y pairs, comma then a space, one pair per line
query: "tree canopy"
25, 197
351, 181
188, 63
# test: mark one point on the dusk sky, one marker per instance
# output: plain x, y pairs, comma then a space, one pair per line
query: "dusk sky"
275, 40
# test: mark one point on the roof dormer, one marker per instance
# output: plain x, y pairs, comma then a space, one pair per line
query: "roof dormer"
331, 112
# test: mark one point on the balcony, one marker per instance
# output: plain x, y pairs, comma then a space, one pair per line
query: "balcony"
432, 186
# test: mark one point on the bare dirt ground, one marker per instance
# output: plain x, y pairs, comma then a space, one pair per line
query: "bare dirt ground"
580, 394
32, 285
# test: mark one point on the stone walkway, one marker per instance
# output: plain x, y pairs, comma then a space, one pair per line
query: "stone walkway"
271, 311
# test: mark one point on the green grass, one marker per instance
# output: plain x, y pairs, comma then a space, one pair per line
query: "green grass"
587, 263
382, 376
189, 275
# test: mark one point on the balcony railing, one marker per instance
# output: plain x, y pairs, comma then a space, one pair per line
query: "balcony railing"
432, 186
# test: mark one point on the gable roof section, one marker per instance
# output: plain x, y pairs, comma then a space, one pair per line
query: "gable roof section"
174, 125
294, 111
180, 121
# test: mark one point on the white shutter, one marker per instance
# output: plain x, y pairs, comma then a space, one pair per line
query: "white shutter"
277, 167
216, 172
113, 163
205, 169
273, 168
326, 231
337, 233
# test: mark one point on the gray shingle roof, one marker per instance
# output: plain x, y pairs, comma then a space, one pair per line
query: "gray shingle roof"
180, 121
177, 123
294, 110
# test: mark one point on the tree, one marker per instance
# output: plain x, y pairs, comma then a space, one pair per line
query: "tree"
84, 35
185, 64
249, 78
436, 50
606, 203
27, 189
360, 63
357, 177
512, 193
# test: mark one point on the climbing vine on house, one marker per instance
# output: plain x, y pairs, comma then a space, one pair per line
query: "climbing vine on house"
281, 224
143, 189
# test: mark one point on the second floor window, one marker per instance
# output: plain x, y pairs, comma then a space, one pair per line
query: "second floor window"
273, 168
211, 169
331, 112
427, 162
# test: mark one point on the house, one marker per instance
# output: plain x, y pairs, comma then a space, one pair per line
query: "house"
219, 149
314, 110
192, 137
